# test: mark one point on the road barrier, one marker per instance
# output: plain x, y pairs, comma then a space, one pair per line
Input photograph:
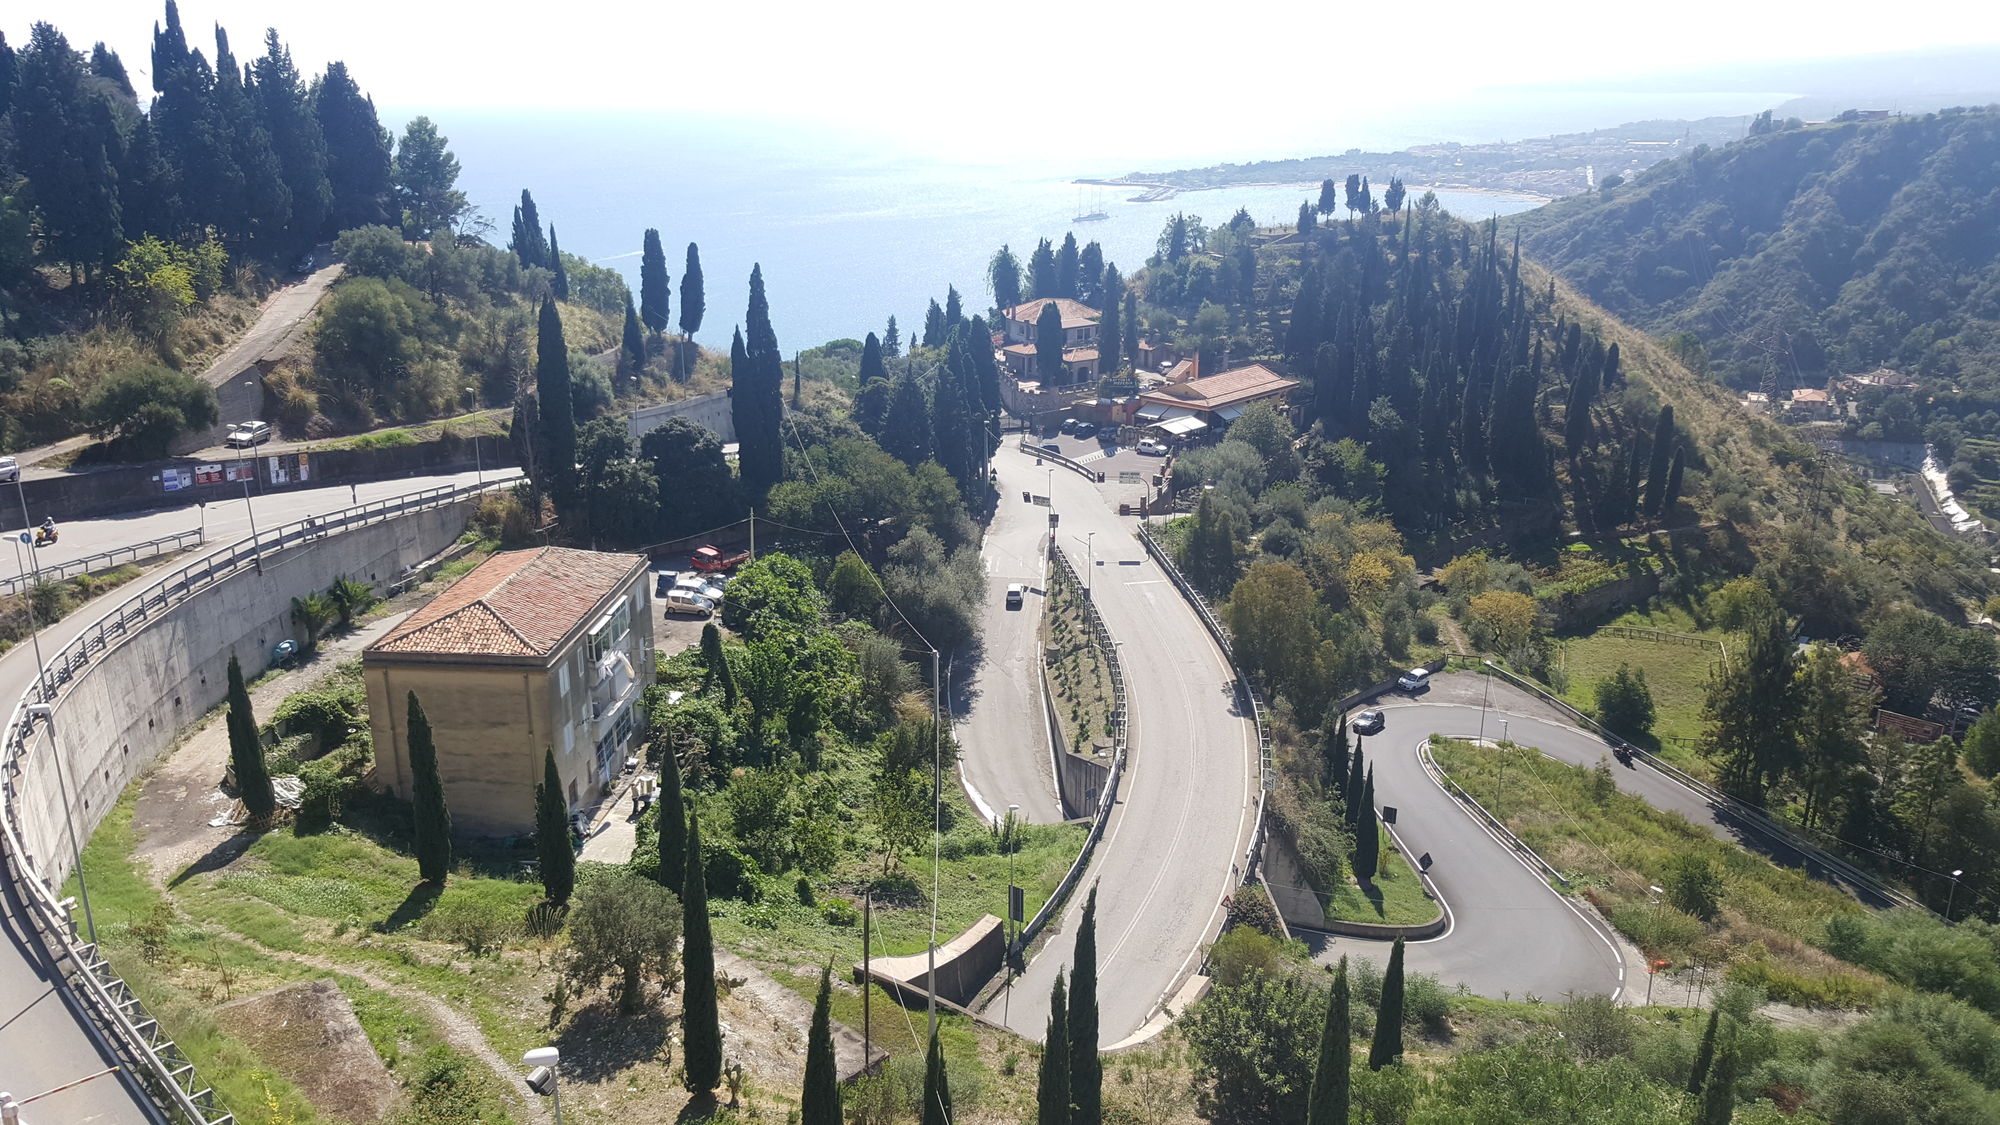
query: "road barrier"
1085, 471
1752, 816
1480, 813
151, 548
119, 1018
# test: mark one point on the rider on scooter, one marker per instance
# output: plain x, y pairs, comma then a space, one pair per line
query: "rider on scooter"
48, 530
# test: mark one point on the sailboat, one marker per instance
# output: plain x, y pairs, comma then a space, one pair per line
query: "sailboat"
1094, 215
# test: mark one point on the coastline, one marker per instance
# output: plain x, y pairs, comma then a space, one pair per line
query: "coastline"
1152, 191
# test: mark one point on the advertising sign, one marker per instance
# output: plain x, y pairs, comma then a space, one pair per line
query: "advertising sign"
208, 474
174, 480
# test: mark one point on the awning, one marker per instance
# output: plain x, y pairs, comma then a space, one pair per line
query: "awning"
1229, 413
1182, 426
1152, 411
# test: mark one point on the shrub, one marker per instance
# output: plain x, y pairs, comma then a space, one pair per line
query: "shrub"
147, 407
1625, 703
475, 926
1694, 886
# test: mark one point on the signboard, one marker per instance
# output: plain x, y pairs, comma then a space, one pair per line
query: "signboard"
1130, 476
1016, 907
1039, 501
208, 474
280, 474
289, 468
1054, 517
174, 480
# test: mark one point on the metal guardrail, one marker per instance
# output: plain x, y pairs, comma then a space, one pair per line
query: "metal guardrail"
153, 1059
1258, 712
1755, 816
1058, 458
152, 548
1444, 781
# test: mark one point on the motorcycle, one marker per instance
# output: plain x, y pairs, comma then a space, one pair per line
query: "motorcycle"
44, 536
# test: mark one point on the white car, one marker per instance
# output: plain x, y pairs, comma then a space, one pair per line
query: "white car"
1015, 592
245, 434
696, 582
10, 470
1152, 447
1415, 680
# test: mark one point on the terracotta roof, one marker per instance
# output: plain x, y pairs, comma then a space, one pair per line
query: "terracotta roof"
517, 603
1243, 384
1075, 314
1079, 355
1809, 394
1019, 349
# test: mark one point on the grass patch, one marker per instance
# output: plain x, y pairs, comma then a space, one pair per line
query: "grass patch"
1396, 899
53, 601
1676, 674
1078, 672
1615, 846
479, 423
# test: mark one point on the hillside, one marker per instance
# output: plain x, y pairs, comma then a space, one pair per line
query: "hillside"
1806, 253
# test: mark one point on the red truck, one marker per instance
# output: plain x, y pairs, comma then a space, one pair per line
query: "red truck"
708, 560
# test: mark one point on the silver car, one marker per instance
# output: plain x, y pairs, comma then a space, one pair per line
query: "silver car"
10, 470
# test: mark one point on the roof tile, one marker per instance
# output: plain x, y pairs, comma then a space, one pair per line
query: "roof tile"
517, 603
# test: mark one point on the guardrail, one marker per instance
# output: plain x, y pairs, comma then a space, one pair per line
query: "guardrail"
151, 1057
1252, 699
1075, 466
1437, 773
1757, 818
152, 548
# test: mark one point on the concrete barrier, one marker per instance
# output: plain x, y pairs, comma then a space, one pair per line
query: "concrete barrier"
964, 965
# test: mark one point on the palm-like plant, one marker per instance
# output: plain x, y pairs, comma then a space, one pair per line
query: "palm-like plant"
350, 597
312, 613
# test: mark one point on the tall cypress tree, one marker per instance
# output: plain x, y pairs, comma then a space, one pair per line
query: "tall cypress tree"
559, 284
1052, 1079
937, 1087
1086, 1070
1355, 766
1049, 345
552, 846
1388, 1045
1674, 472
246, 750
653, 304
701, 1023
954, 309
715, 665
528, 244
1335, 751
1367, 833
693, 301
1327, 1102
819, 1103
632, 346
1663, 451
430, 820
934, 329
1131, 333
1704, 1055
980, 340
762, 447
257, 203
1069, 268
872, 368
558, 409
1718, 1097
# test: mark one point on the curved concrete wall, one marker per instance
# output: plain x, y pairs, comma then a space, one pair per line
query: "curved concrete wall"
113, 719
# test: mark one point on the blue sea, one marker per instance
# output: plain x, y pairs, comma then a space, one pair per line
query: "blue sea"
851, 229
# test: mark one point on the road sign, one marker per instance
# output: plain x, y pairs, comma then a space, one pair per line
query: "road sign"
1128, 476
1039, 501
1054, 517
1016, 904
1388, 814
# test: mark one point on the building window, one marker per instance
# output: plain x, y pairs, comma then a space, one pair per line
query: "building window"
562, 681
569, 736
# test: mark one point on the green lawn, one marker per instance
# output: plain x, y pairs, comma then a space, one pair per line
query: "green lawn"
1398, 897
1677, 675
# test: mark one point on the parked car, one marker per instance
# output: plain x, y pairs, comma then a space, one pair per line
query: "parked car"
10, 470
1152, 447
709, 560
245, 434
1073, 426
688, 603
707, 585
1107, 433
1368, 722
1015, 592
1415, 680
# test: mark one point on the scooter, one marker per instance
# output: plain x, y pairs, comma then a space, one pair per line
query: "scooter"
44, 536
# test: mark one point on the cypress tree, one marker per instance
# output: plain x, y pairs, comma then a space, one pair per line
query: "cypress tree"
1069, 268
431, 821
1111, 343
1663, 451
934, 329
1049, 344
632, 348
653, 284
1131, 333
1052, 1080
937, 1088
1090, 271
1326, 1104
1704, 1055
1718, 1097
1335, 753
246, 750
954, 309
892, 342
528, 245
986, 371
819, 1104
872, 367
552, 847
1086, 1070
1042, 272
295, 137
1353, 788
1388, 1045
552, 385
1307, 223
672, 824
1629, 502
701, 1024
1367, 833
716, 665
762, 447
693, 301
1674, 472
559, 284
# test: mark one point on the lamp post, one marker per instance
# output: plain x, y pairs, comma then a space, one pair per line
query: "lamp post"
47, 714
1952, 899
1013, 923
256, 547
542, 1080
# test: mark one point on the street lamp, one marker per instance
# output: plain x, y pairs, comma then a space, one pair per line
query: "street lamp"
1013, 922
47, 713
542, 1079
1952, 899
1503, 730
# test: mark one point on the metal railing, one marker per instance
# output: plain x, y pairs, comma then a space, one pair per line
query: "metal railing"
1252, 698
151, 548
1058, 458
153, 1058
1479, 812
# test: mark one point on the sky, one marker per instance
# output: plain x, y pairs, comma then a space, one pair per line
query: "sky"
1098, 75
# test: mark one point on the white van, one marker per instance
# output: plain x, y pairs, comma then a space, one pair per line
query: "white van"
688, 602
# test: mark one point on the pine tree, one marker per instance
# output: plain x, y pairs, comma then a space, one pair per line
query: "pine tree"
937, 1087
1086, 1070
295, 136
701, 1022
1718, 1095
819, 1103
1367, 833
1388, 1045
357, 150
1663, 451
557, 450
559, 284
1326, 1104
1704, 1055
528, 244
246, 750
907, 429
431, 821
632, 347
672, 824
61, 146
258, 205
552, 846
892, 343
425, 175
1052, 1080
653, 284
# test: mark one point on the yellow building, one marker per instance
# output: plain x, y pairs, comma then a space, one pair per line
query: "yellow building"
530, 650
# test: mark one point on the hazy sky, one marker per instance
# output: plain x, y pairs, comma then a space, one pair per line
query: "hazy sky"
1085, 67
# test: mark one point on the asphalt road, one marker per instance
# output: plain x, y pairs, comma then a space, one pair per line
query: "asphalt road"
43, 1043
1182, 819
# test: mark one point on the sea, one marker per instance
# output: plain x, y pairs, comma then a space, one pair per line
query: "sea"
852, 228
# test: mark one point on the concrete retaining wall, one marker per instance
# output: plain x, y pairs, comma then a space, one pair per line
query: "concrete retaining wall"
130, 705
1081, 783
712, 412
964, 965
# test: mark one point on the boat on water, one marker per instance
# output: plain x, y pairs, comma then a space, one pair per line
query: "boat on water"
1096, 214
1092, 217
